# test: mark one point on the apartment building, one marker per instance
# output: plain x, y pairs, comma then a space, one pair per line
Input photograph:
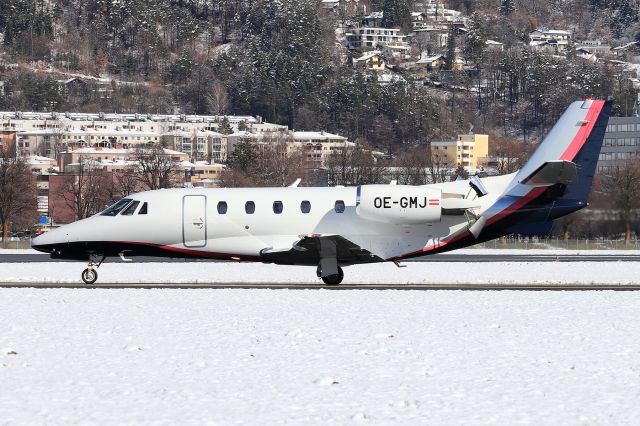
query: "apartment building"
468, 151
45, 134
374, 37
621, 142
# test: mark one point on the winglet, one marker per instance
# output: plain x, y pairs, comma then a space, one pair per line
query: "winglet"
295, 183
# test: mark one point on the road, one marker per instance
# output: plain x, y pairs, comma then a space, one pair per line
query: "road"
302, 286
30, 258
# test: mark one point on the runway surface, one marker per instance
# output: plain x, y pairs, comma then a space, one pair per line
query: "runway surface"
31, 258
304, 286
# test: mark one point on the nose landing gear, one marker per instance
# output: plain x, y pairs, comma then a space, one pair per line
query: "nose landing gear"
90, 275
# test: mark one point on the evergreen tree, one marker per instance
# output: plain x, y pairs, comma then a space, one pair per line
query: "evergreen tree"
507, 7
397, 14
243, 156
476, 39
225, 127
450, 60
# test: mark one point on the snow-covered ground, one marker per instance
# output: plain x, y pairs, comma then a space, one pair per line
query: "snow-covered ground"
318, 357
610, 272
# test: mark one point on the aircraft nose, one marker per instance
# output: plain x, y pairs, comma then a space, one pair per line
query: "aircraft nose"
46, 242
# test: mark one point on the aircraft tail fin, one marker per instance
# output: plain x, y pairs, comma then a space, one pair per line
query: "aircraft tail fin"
569, 154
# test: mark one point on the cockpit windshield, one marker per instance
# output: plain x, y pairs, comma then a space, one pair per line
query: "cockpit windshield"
116, 208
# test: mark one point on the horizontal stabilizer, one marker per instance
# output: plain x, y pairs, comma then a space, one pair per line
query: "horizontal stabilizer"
459, 204
551, 173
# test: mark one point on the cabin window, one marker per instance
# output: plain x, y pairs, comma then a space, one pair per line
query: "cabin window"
339, 207
116, 208
305, 206
143, 209
129, 211
277, 207
250, 207
222, 207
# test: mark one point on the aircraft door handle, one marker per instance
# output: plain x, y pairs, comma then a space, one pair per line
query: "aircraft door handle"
198, 222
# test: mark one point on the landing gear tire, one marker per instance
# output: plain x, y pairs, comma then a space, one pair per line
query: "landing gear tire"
334, 279
89, 276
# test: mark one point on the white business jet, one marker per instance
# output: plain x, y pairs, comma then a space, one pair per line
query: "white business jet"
332, 228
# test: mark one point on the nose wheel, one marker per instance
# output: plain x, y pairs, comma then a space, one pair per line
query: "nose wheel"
90, 275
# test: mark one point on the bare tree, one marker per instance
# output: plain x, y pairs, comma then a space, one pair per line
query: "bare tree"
622, 184
155, 168
411, 166
354, 166
280, 162
18, 202
275, 161
88, 191
509, 154
218, 99
125, 182
440, 166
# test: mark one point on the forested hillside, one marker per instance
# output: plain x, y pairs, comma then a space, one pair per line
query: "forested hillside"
283, 61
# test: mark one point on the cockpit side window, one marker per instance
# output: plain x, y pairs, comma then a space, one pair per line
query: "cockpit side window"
143, 209
129, 211
116, 208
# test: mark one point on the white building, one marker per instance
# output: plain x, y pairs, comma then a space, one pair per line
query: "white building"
555, 41
373, 37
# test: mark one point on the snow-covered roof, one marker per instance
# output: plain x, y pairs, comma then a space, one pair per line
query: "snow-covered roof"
297, 135
552, 32
374, 15
36, 159
627, 46
368, 55
430, 59
493, 43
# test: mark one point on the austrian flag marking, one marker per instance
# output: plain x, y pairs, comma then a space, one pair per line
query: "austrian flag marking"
434, 202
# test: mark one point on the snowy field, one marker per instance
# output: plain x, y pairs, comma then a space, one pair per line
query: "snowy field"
609, 272
318, 357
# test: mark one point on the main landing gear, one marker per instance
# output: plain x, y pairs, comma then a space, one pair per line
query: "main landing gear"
90, 275
333, 279
328, 268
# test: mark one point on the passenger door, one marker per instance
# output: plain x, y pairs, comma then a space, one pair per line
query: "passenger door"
194, 220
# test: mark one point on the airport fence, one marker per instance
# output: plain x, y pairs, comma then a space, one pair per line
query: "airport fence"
559, 243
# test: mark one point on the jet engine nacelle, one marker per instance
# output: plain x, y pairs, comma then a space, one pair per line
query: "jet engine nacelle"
399, 204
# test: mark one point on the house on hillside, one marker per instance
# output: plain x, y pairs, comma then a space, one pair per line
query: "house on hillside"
434, 35
493, 45
432, 62
368, 37
418, 19
597, 47
371, 61
330, 4
586, 55
374, 19
553, 41
629, 51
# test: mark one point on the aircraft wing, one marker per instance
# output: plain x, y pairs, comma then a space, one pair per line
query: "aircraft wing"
307, 251
552, 172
